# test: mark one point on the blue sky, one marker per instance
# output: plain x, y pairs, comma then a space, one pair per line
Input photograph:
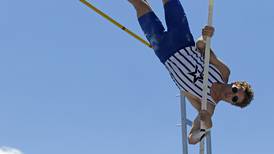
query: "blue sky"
71, 82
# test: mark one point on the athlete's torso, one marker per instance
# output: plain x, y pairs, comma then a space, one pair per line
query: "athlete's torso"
186, 69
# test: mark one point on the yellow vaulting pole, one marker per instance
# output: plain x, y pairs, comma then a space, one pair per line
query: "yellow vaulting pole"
115, 22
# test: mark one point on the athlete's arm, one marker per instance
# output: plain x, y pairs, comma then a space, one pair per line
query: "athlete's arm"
214, 60
196, 103
225, 71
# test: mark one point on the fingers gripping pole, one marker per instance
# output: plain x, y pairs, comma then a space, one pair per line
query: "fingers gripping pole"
206, 69
115, 22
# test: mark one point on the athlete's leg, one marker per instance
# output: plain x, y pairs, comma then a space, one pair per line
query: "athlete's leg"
149, 22
177, 24
141, 6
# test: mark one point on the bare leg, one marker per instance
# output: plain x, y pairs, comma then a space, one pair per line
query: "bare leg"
141, 6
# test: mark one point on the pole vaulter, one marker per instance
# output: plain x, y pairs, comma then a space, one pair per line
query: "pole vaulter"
198, 73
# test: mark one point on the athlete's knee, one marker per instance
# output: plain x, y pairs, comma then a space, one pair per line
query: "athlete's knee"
141, 6
138, 3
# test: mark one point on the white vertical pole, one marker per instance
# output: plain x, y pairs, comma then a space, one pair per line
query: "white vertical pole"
206, 69
208, 143
183, 123
206, 63
202, 147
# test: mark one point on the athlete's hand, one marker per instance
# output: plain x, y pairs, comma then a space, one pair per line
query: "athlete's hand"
208, 31
206, 117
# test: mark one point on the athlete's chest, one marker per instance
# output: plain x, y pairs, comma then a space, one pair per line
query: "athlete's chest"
190, 65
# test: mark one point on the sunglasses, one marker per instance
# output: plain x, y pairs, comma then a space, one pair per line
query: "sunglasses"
235, 98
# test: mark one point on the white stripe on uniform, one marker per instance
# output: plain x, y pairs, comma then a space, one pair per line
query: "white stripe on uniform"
186, 67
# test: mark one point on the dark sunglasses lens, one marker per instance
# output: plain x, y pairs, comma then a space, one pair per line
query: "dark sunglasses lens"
234, 90
235, 99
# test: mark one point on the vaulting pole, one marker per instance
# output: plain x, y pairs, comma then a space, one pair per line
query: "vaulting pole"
115, 23
206, 69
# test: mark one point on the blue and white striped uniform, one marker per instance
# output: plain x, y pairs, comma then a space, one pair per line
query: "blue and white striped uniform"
175, 47
186, 69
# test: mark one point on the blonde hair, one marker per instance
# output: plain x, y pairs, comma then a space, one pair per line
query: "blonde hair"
249, 94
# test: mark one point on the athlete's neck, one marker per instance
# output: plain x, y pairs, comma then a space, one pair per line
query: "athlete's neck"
216, 91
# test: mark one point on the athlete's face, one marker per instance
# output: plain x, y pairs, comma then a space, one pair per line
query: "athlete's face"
235, 94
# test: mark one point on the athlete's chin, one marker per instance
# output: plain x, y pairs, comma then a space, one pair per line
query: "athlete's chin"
227, 100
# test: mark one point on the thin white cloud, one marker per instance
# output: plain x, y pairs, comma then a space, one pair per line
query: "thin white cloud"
8, 150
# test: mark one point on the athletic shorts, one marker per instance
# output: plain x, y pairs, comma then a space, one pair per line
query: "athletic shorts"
177, 36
